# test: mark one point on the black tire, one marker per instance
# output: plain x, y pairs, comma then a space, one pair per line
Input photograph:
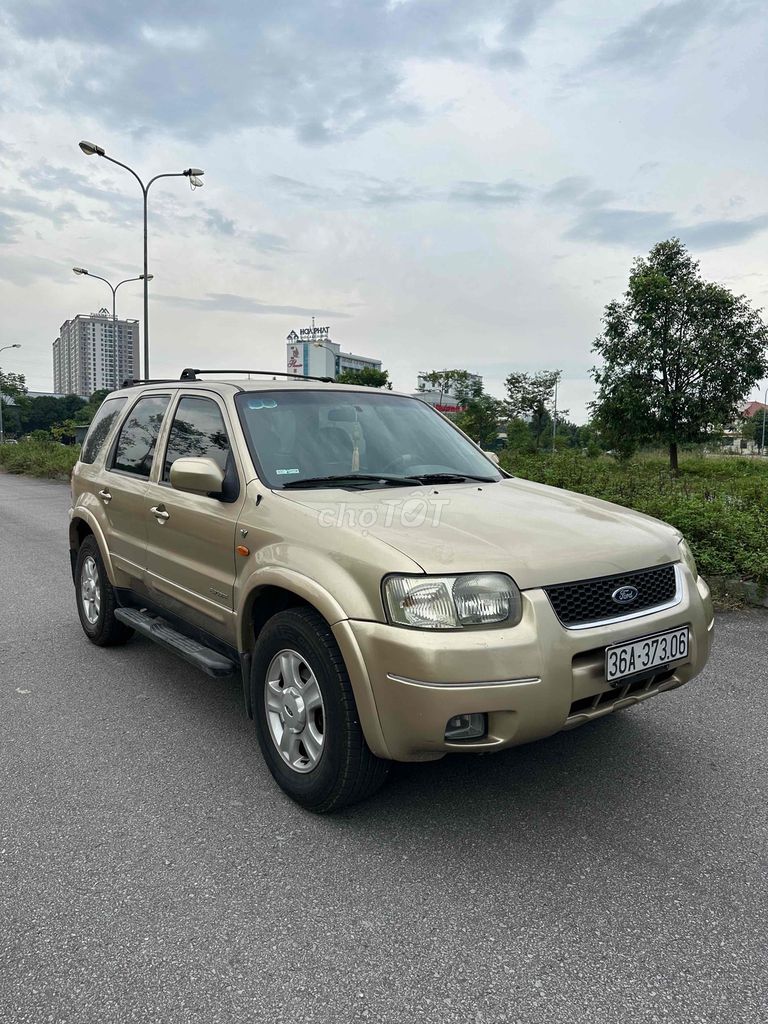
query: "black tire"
346, 771
101, 627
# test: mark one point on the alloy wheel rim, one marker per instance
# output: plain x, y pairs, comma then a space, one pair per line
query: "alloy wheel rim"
295, 711
90, 590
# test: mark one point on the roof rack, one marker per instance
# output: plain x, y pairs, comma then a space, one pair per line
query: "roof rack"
190, 374
134, 382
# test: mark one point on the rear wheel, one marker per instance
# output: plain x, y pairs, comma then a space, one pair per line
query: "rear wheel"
96, 598
306, 716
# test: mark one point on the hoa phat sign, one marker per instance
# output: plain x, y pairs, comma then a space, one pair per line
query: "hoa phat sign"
310, 334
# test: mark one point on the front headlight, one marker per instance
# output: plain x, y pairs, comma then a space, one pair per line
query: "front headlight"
453, 602
686, 556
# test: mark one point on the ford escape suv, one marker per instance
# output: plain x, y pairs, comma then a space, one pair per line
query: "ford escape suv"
383, 589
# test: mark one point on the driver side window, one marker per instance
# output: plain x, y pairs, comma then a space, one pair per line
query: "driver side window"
198, 430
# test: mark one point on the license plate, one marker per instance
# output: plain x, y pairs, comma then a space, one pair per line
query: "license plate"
640, 655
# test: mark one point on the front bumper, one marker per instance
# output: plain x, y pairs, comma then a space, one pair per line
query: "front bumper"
531, 681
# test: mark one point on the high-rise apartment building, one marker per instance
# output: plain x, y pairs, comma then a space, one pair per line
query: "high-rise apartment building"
93, 352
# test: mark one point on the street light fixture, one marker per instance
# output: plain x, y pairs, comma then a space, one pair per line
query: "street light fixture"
2, 433
193, 173
113, 289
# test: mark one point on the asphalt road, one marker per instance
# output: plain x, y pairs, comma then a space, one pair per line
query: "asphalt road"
150, 870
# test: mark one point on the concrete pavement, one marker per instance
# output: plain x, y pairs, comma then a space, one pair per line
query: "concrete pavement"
151, 871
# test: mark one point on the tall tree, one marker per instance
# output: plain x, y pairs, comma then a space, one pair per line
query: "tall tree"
679, 354
752, 428
460, 384
480, 419
531, 396
44, 412
13, 389
88, 411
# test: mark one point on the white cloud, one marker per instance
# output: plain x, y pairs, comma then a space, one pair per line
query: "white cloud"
447, 184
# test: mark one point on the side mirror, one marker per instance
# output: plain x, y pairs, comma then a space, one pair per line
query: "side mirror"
490, 455
199, 475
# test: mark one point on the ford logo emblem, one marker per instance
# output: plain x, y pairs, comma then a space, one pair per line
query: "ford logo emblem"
624, 595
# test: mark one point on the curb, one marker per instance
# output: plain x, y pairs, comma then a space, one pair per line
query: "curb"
746, 591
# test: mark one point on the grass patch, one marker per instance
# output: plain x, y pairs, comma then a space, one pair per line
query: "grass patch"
39, 458
720, 504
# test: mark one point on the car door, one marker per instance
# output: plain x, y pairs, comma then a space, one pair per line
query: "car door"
191, 537
125, 482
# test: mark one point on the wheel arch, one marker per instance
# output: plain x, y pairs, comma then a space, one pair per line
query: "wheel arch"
279, 589
273, 590
82, 525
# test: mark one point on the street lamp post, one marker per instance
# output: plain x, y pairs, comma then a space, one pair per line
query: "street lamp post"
554, 418
319, 344
113, 288
2, 432
193, 173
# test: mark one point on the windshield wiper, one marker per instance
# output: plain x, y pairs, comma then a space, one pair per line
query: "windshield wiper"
454, 478
341, 478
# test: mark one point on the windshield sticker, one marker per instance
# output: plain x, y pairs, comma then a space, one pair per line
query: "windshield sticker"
286, 472
262, 403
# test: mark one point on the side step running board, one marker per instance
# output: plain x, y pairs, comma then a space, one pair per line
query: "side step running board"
157, 629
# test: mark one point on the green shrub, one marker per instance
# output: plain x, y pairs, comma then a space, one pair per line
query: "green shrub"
719, 503
39, 456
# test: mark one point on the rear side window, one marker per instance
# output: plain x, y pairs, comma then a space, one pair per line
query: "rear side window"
198, 429
100, 428
136, 442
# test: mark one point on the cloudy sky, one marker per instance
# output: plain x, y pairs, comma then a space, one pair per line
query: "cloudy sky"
445, 183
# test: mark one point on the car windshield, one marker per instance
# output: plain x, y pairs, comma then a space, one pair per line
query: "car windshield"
351, 436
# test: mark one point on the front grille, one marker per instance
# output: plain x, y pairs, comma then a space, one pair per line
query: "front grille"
578, 604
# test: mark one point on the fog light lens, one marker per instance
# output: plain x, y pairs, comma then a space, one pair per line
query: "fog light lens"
465, 727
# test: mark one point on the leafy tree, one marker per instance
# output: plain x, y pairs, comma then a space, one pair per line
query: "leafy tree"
519, 437
567, 434
88, 411
368, 377
13, 386
679, 354
462, 384
480, 419
752, 428
66, 431
45, 412
532, 397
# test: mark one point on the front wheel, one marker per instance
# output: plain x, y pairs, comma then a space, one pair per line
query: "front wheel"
306, 716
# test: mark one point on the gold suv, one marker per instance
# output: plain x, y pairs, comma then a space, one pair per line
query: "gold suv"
385, 591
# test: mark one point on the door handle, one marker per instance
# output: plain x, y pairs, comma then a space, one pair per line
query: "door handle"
160, 514
105, 496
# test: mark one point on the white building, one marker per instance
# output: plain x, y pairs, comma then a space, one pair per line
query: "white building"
311, 353
91, 352
442, 399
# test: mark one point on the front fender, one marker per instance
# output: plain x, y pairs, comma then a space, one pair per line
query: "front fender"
326, 604
86, 516
287, 579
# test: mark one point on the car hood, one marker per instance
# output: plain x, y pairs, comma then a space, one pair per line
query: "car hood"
539, 535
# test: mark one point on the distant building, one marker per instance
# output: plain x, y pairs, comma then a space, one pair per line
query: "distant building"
311, 353
92, 353
443, 400
733, 439
749, 410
